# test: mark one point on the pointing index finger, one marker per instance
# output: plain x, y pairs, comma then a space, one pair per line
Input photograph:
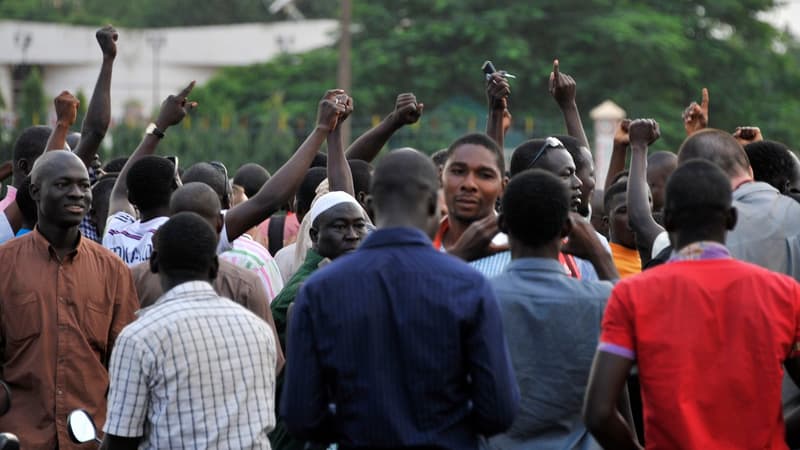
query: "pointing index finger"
185, 92
555, 68
704, 103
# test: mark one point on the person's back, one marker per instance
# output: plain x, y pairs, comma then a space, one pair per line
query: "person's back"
208, 345
404, 340
710, 343
767, 232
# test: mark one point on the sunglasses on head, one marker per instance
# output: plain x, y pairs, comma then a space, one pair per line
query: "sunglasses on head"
549, 142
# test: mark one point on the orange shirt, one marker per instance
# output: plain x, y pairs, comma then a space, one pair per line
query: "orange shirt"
58, 322
627, 260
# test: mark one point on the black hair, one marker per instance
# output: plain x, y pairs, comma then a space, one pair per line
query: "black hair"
619, 187
771, 163
151, 181
307, 190
186, 244
31, 143
204, 172
320, 160
439, 158
698, 194
484, 141
115, 165
101, 189
523, 155
619, 176
404, 178
718, 147
362, 175
536, 206
251, 177
573, 146
26, 204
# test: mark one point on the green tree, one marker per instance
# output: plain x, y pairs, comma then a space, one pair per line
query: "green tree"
32, 107
84, 104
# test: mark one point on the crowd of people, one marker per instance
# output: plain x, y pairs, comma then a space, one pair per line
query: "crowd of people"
452, 301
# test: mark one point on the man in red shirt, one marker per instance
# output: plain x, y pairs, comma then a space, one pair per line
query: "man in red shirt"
710, 335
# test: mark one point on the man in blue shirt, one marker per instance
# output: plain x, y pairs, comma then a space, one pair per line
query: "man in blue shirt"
397, 345
551, 321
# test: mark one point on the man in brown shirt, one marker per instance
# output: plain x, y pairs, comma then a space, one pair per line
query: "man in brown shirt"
233, 282
63, 301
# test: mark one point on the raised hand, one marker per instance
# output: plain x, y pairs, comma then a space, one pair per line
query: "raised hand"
695, 117
330, 108
347, 102
476, 240
747, 135
175, 108
66, 108
497, 91
643, 132
107, 38
406, 109
562, 86
621, 136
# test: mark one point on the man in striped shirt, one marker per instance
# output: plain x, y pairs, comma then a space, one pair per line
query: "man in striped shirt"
195, 370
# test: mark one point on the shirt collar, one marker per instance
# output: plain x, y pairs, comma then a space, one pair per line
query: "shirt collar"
396, 236
537, 264
444, 225
702, 250
193, 289
42, 243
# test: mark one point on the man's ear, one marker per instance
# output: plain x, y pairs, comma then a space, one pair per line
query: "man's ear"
505, 183
361, 197
313, 234
33, 190
154, 261
501, 223
220, 222
732, 218
214, 269
433, 204
567, 228
23, 166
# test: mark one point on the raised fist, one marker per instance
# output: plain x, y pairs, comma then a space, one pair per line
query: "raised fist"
406, 109
644, 131
747, 135
107, 38
621, 136
66, 108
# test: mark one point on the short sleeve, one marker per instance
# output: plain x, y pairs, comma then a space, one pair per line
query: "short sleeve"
6, 232
115, 222
794, 352
128, 397
618, 334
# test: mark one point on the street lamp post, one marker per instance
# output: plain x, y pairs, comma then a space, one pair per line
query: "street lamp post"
156, 42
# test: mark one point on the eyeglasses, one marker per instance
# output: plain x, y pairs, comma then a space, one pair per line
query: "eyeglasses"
549, 142
226, 193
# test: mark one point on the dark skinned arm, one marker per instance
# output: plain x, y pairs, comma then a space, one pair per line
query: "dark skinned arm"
111, 442
406, 111
497, 92
66, 113
643, 132
285, 182
340, 178
792, 419
563, 89
600, 413
583, 243
98, 114
173, 110
618, 153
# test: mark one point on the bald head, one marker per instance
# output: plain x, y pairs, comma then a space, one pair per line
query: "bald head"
405, 182
51, 163
718, 147
662, 159
198, 198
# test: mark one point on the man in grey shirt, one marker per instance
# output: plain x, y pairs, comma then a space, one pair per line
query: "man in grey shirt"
551, 321
767, 229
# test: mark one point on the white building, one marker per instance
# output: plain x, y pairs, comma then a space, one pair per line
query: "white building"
150, 63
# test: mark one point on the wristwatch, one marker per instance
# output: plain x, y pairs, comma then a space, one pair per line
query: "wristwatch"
153, 129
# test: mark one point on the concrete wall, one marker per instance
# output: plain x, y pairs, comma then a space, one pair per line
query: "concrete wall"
70, 57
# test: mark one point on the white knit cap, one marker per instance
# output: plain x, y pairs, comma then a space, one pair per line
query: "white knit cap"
328, 201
